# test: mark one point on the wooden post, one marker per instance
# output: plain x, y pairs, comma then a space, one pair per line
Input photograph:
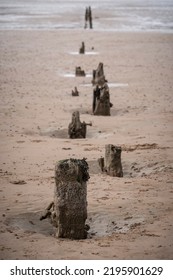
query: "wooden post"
82, 48
96, 97
86, 17
70, 198
90, 18
101, 163
75, 92
101, 101
111, 164
98, 76
79, 72
101, 97
76, 128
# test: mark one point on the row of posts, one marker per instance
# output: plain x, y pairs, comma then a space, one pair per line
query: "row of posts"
68, 210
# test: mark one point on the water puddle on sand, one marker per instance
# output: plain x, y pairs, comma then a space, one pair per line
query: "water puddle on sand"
86, 53
117, 85
109, 84
101, 224
30, 223
71, 75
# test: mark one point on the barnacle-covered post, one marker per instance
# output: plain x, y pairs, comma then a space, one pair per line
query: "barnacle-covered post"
70, 198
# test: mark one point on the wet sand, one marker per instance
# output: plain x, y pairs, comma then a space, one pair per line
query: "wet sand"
129, 217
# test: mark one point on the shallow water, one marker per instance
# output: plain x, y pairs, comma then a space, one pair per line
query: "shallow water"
110, 15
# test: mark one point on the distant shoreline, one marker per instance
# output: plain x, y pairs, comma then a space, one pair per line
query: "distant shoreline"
126, 16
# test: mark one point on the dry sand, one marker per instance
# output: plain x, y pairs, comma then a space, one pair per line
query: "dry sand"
129, 217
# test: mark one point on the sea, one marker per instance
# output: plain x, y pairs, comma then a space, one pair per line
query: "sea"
107, 15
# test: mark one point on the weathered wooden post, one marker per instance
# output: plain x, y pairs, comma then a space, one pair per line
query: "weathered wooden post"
111, 164
82, 48
98, 76
75, 92
86, 17
68, 211
79, 72
101, 101
76, 128
90, 18
101, 97
101, 163
70, 198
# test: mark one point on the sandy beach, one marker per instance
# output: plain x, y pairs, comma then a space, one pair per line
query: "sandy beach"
129, 217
